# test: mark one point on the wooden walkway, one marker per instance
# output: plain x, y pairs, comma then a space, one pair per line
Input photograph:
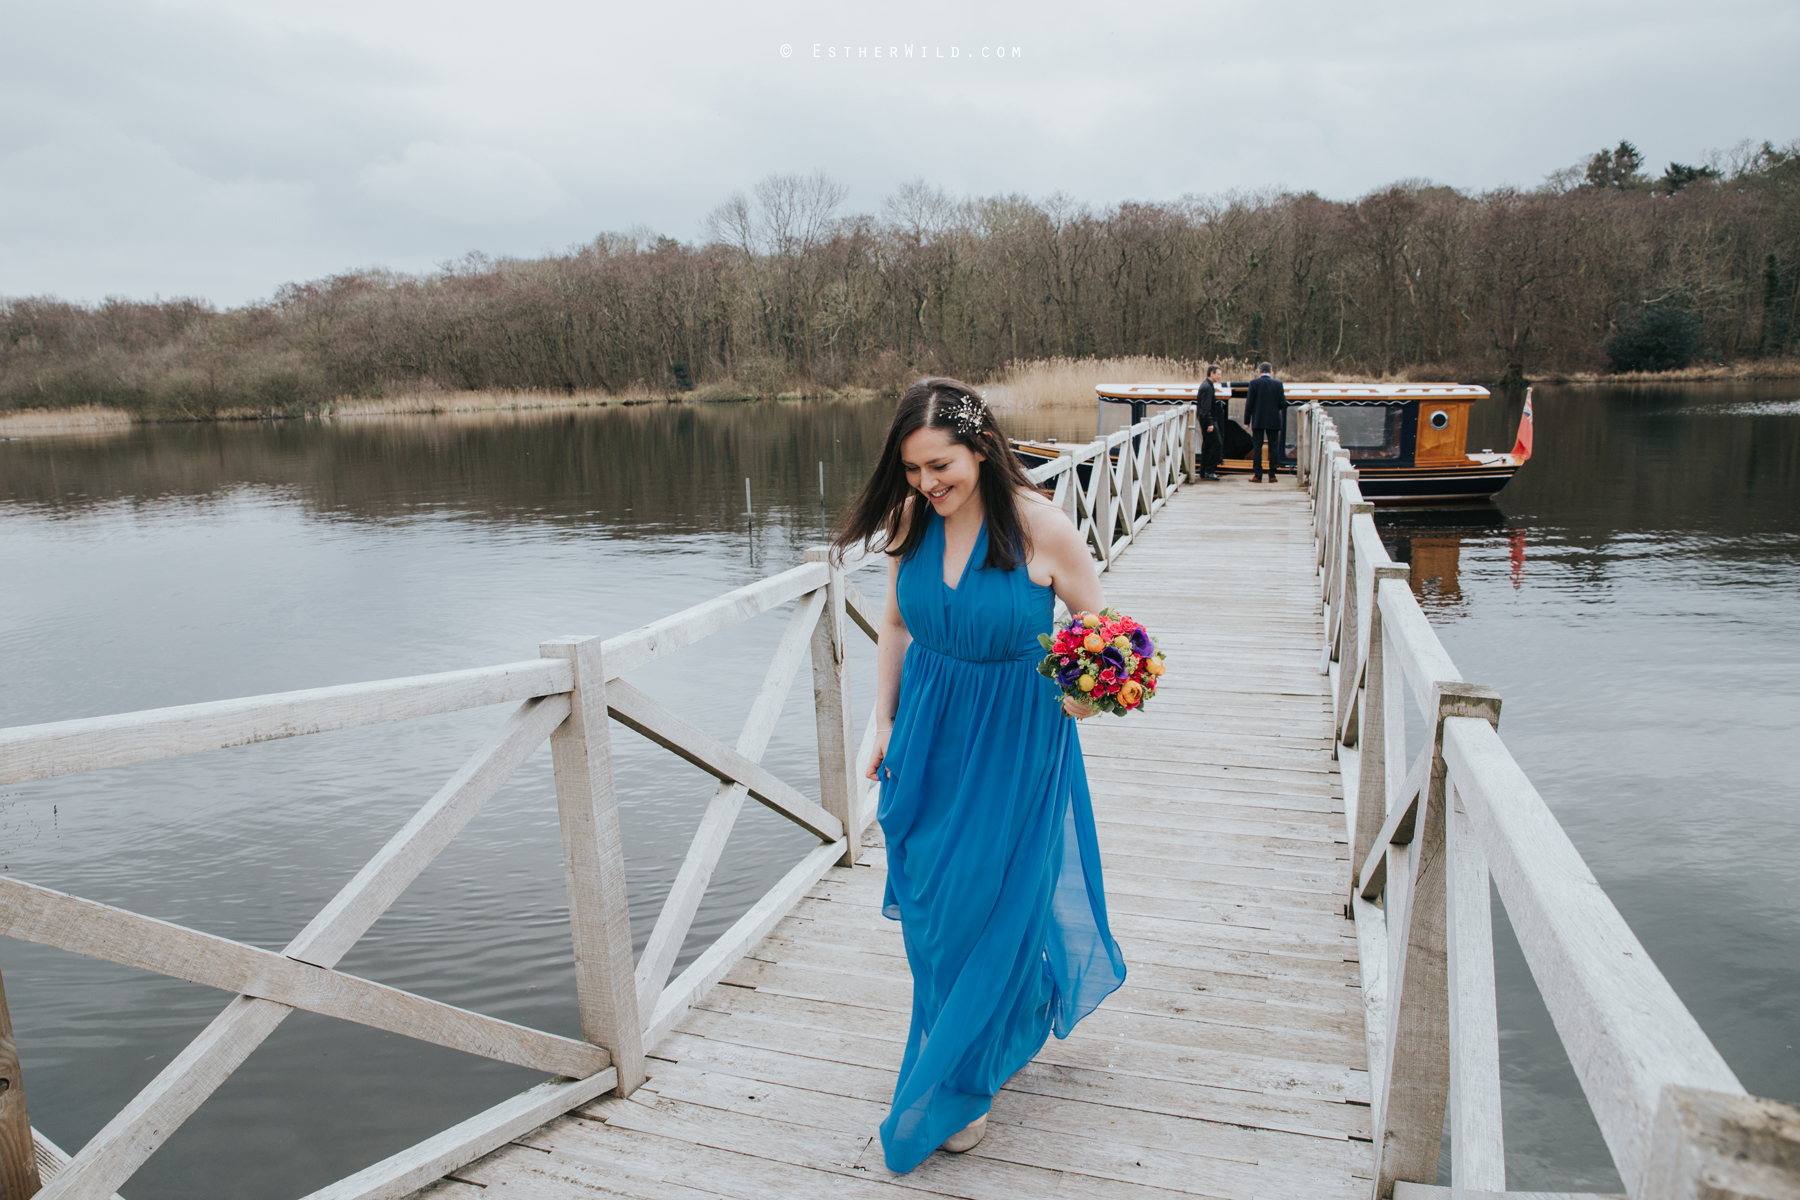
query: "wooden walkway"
1231, 1064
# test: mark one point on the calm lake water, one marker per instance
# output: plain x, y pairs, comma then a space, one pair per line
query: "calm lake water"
1633, 596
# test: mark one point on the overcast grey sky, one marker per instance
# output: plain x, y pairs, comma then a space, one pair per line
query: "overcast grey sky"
222, 147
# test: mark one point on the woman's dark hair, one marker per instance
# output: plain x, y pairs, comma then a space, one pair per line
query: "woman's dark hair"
959, 411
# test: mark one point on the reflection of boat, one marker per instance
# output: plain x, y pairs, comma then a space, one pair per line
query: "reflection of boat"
1436, 567
1407, 441
1431, 543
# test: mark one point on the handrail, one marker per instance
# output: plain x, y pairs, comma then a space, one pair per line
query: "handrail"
1132, 472
567, 695
1426, 825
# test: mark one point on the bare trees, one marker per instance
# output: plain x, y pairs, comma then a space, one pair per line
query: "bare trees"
787, 289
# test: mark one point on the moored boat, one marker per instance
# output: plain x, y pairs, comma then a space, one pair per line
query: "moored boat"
1407, 441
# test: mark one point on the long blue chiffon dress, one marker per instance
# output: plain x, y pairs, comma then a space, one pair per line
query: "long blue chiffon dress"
993, 866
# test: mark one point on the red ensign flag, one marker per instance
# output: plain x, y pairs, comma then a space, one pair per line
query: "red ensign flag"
1522, 447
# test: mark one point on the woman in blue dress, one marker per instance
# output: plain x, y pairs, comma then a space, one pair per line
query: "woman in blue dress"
993, 867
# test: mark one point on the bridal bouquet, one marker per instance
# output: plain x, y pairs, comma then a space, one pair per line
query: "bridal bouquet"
1103, 659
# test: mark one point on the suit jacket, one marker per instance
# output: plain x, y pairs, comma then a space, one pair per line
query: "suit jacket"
1266, 403
1212, 409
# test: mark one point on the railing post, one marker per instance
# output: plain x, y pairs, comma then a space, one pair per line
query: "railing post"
1310, 451
1477, 1137
1103, 504
1343, 600
1409, 1118
1071, 485
831, 710
1340, 528
1127, 491
1190, 445
594, 864
1344, 509
1326, 511
18, 1156
1375, 740
1709, 1145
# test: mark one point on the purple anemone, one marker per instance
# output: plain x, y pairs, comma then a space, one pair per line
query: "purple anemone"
1141, 645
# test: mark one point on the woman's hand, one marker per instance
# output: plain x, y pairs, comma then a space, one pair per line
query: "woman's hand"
875, 759
1075, 708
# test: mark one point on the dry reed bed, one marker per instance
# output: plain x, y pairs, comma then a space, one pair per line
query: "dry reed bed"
1048, 383
1070, 382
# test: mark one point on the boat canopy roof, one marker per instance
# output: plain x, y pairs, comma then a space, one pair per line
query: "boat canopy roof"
1367, 393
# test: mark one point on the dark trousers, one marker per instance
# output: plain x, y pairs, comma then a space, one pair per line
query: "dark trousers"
1212, 450
1257, 438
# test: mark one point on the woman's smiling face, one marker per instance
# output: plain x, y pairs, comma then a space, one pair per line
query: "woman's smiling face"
945, 471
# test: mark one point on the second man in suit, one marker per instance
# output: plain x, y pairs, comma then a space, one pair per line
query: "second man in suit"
1211, 406
1264, 412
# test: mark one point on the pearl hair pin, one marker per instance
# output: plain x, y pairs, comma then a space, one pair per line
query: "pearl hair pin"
968, 412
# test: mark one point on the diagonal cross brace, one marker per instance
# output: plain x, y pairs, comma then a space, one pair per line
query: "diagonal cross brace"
638, 712
112, 1155
689, 888
51, 918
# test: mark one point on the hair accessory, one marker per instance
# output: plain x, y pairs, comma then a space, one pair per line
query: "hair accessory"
968, 412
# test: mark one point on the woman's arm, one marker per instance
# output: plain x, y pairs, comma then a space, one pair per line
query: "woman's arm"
890, 654
1057, 550
1060, 557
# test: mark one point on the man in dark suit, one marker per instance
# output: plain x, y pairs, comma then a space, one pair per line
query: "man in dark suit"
1263, 412
1211, 408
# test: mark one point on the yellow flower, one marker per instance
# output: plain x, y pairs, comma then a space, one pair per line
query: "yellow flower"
1156, 666
1090, 620
1093, 643
1087, 683
1122, 642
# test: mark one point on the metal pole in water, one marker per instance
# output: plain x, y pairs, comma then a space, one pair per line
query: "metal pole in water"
747, 509
821, 477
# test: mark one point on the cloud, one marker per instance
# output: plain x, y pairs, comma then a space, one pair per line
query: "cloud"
475, 185
223, 147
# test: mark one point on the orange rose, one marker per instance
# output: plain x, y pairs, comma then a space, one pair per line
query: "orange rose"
1093, 643
1131, 693
1155, 666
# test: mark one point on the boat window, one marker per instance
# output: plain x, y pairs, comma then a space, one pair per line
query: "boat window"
1114, 415
1439, 419
1368, 430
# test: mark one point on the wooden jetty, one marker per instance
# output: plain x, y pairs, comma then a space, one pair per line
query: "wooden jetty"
1302, 897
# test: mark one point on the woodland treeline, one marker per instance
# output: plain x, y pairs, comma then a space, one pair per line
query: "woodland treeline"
1604, 267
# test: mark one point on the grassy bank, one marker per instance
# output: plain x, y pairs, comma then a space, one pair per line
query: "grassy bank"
91, 418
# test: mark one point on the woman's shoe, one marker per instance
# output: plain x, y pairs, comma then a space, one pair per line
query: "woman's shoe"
967, 1138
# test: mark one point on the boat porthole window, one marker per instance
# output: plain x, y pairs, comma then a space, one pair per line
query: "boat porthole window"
1439, 419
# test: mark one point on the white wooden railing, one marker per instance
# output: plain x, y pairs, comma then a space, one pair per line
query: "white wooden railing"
1131, 474
1429, 825
565, 696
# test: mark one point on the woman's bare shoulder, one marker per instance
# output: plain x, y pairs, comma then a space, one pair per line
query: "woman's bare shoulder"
1044, 517
1034, 505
